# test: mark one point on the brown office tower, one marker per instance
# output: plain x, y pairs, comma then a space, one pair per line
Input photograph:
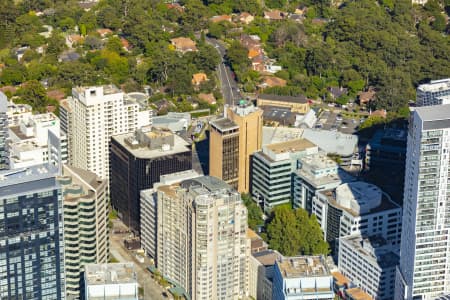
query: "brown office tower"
249, 120
224, 151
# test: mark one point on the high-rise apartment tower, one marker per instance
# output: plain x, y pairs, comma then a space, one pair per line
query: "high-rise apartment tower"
90, 117
424, 271
85, 224
202, 238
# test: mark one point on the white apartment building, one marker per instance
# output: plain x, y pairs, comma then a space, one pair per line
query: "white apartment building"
85, 224
315, 173
302, 277
91, 116
201, 238
436, 92
357, 208
116, 281
370, 264
36, 139
424, 270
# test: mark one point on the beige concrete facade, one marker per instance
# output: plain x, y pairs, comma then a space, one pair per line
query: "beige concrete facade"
249, 120
224, 151
201, 238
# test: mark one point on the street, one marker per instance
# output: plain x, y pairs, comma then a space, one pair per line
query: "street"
152, 290
228, 83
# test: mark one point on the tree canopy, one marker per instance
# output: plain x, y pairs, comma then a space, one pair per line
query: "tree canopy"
294, 232
254, 212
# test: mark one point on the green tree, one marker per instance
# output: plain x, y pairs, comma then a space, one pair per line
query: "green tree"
89, 21
439, 23
76, 73
56, 43
114, 44
217, 30
8, 26
83, 29
32, 39
254, 216
107, 17
93, 42
294, 232
113, 64
13, 75
237, 56
37, 70
33, 93
206, 59
66, 24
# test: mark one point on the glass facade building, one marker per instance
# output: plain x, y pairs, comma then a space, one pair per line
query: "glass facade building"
136, 164
31, 235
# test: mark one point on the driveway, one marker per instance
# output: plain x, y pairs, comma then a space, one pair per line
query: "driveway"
152, 290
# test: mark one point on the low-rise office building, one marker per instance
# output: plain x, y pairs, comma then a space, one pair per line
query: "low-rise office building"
315, 173
345, 146
85, 224
116, 281
303, 277
174, 121
272, 170
331, 142
138, 159
36, 140
18, 112
370, 264
298, 104
434, 92
357, 208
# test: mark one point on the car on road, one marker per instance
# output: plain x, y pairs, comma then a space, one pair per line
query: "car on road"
338, 117
318, 126
334, 128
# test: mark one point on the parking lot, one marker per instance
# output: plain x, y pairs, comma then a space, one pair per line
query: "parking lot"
337, 121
